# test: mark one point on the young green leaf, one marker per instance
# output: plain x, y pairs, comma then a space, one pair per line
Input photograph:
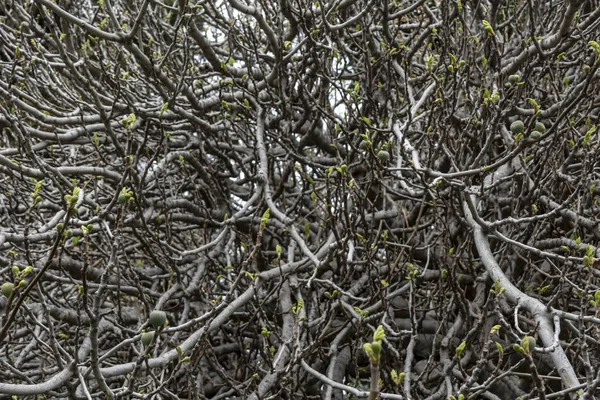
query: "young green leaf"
459, 350
487, 27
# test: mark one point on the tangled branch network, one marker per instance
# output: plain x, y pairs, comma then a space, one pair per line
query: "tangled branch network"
227, 199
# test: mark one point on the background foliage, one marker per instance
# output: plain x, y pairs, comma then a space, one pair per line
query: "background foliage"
281, 178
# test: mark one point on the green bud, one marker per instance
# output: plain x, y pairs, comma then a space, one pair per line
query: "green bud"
147, 338
528, 344
517, 127
158, 318
401, 377
376, 347
383, 156
7, 289
25, 27
540, 127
